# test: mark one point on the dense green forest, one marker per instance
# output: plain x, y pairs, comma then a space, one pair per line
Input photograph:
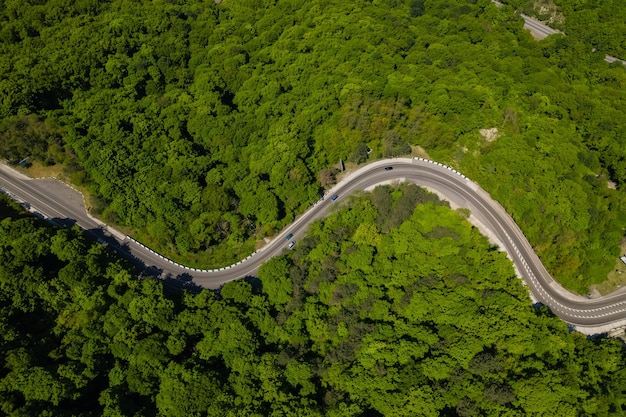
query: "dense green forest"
599, 24
394, 305
205, 127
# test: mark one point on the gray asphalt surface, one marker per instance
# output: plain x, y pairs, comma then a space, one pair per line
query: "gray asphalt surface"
63, 205
541, 31
538, 29
60, 202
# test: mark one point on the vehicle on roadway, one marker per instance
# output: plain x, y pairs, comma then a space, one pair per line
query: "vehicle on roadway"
388, 168
289, 236
333, 198
589, 316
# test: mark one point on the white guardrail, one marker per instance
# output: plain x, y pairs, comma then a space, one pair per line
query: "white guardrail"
187, 268
255, 252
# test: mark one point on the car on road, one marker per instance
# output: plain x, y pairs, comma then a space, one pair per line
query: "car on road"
333, 198
292, 244
388, 168
289, 236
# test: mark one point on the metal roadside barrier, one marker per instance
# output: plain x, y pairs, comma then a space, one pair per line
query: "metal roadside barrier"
187, 267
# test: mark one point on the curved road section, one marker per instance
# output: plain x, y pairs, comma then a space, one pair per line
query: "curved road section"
55, 201
540, 30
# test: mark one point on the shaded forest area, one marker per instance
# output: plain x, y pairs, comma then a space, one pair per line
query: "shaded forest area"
203, 128
394, 305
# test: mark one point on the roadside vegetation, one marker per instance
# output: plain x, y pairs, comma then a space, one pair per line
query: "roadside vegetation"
394, 305
203, 128
598, 24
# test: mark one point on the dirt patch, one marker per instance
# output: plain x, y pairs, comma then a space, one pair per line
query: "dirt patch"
490, 135
37, 170
616, 279
420, 152
548, 11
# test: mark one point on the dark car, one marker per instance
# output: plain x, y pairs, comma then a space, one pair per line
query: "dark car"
289, 236
388, 168
333, 198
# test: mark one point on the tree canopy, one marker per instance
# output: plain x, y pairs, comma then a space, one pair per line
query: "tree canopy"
394, 305
204, 127
600, 25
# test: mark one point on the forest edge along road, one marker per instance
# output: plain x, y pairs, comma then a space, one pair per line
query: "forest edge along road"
540, 30
587, 315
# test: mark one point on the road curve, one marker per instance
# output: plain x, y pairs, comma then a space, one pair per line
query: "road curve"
536, 28
587, 315
540, 30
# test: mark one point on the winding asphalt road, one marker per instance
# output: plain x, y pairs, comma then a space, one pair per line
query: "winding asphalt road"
54, 200
540, 30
